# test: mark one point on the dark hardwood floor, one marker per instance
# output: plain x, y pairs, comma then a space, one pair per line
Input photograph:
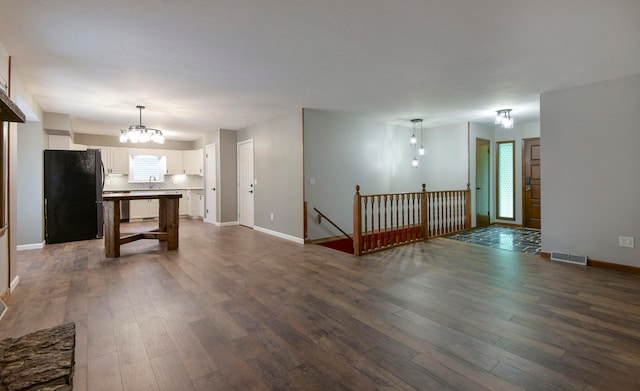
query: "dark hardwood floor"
233, 308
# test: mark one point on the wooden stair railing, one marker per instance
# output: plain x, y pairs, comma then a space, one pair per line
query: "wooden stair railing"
320, 214
388, 220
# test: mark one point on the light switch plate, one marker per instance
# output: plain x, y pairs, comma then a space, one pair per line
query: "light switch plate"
625, 241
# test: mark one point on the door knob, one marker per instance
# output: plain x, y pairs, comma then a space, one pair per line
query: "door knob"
528, 189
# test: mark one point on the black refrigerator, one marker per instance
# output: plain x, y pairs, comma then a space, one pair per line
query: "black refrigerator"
73, 183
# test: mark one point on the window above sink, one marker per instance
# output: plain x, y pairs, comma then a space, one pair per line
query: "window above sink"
147, 168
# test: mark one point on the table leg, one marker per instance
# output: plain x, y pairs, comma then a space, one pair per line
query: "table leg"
162, 215
111, 229
171, 221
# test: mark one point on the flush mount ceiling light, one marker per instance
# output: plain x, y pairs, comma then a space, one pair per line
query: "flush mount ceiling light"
503, 118
140, 133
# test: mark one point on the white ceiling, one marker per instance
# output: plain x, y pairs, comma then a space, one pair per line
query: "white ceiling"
200, 65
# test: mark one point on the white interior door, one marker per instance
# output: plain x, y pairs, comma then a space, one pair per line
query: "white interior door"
211, 200
246, 183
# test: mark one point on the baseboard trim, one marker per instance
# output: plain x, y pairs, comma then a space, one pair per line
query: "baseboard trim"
227, 224
603, 265
34, 246
14, 283
615, 266
279, 234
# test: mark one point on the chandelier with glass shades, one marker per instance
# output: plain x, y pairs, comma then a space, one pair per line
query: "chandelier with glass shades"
414, 142
140, 133
503, 118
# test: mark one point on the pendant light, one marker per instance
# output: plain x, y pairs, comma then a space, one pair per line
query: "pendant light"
140, 133
415, 163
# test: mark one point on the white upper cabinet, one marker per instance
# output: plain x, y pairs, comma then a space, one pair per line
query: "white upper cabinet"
174, 162
119, 161
105, 155
193, 162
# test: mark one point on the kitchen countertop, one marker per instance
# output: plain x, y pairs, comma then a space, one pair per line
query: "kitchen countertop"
158, 189
139, 195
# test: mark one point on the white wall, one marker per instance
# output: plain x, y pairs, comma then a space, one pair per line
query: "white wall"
30, 184
341, 151
227, 176
444, 165
278, 170
25, 100
590, 137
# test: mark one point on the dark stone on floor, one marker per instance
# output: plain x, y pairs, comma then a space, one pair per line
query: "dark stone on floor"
526, 240
42, 360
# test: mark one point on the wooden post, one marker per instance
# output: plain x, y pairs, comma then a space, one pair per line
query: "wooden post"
423, 206
112, 228
162, 216
357, 221
172, 218
467, 208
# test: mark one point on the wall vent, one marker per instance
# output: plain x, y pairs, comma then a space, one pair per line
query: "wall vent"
569, 258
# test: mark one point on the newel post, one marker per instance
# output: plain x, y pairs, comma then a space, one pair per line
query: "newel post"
357, 221
424, 211
467, 207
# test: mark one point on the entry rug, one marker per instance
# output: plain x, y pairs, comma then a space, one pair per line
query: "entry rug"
40, 360
526, 240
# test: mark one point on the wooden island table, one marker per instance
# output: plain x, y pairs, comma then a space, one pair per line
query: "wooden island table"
167, 222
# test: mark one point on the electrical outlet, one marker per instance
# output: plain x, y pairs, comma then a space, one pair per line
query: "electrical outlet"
271, 216
625, 241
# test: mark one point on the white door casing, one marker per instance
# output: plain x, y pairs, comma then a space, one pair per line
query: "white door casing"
211, 200
246, 184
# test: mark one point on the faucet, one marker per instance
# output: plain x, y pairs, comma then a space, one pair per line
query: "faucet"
150, 183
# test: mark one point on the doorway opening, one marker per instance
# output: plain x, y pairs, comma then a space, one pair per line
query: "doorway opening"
483, 175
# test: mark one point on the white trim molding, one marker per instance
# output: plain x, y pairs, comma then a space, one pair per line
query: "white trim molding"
279, 234
14, 283
34, 246
226, 223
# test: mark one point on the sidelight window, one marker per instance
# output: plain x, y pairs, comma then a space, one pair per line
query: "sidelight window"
505, 180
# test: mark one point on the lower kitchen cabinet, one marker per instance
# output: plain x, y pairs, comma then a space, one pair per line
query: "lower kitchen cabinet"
196, 204
184, 207
146, 209
143, 209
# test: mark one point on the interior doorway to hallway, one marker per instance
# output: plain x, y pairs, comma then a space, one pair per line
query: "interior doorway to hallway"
483, 175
